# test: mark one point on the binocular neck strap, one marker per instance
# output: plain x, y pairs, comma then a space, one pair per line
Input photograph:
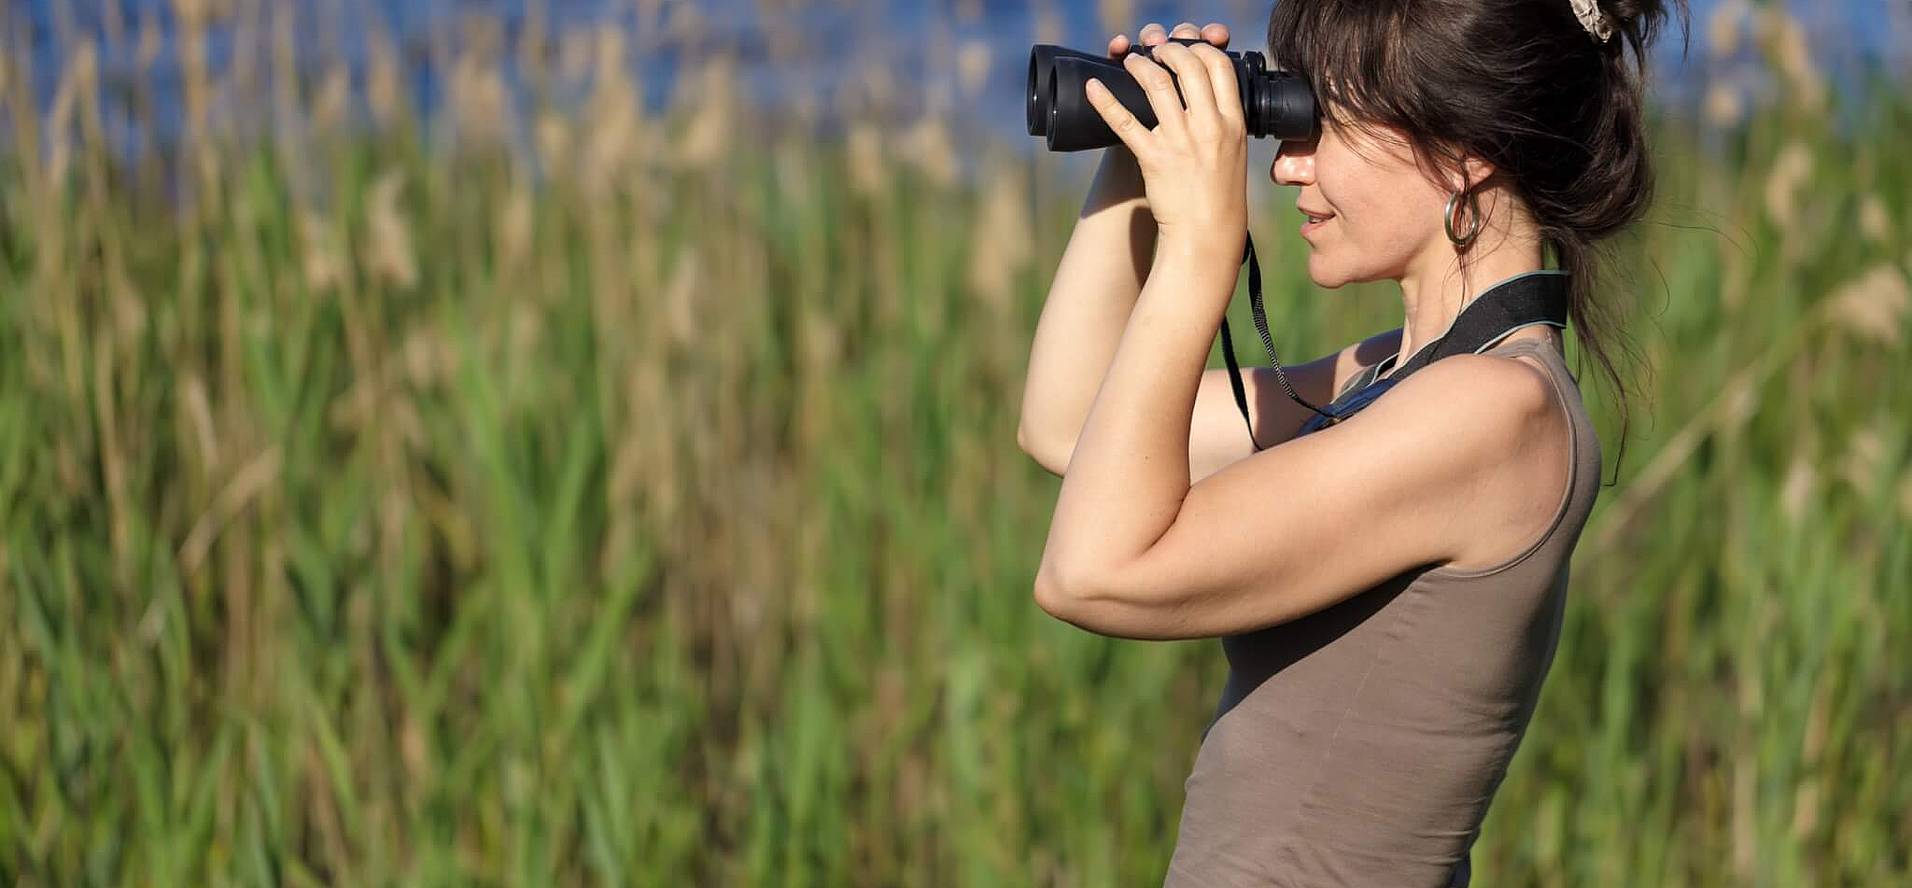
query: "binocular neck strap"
1537, 297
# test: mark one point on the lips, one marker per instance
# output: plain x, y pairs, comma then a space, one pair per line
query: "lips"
1316, 219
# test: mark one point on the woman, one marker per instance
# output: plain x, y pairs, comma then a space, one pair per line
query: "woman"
1387, 588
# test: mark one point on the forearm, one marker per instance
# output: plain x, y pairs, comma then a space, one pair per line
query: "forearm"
1130, 469
1095, 288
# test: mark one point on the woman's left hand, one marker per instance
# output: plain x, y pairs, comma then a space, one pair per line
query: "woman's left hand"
1195, 161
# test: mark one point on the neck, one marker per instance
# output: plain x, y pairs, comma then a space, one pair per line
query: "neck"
1437, 288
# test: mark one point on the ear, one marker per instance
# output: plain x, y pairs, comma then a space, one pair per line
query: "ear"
1476, 169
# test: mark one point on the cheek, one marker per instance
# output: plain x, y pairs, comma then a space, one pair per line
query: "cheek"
1359, 199
1383, 209
1362, 209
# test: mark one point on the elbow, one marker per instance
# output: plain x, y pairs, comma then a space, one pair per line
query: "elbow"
1030, 441
1050, 595
1062, 594
1097, 610
1042, 450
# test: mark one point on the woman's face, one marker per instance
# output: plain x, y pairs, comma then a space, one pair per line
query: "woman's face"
1375, 214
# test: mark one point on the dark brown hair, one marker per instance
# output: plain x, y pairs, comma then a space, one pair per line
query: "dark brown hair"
1520, 84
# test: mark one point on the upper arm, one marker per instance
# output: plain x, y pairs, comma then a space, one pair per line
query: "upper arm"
1407, 482
1217, 436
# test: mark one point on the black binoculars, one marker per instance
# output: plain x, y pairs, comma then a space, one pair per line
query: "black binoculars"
1275, 104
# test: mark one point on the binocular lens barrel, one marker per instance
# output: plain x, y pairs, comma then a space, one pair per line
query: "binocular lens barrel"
1275, 104
1042, 70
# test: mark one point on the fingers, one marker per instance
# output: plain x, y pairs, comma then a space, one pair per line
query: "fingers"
1224, 83
1154, 34
1201, 69
1169, 116
1131, 131
1192, 71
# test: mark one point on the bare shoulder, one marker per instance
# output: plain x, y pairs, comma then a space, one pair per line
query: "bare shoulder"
1501, 396
1505, 437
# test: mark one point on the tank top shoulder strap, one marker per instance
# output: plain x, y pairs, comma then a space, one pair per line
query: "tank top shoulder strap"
1365, 376
1540, 348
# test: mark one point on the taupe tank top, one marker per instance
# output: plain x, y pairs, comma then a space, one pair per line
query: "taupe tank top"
1361, 744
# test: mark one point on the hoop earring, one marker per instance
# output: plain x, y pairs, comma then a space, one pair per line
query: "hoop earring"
1447, 219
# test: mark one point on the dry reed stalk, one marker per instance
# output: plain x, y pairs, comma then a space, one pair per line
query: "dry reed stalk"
1875, 222
481, 104
388, 242
613, 141
1001, 239
713, 115
1864, 463
384, 83
1872, 306
239, 491
331, 105
1790, 172
1725, 26
928, 147
324, 259
1118, 16
1796, 491
973, 60
1724, 106
1784, 39
867, 159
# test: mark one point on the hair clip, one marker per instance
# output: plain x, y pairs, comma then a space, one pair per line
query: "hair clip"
1593, 18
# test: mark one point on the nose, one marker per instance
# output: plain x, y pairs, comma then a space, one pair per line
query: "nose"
1294, 163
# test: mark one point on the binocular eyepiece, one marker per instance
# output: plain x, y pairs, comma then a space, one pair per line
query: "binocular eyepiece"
1275, 104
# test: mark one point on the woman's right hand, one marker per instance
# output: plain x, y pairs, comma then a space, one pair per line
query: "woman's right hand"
1097, 282
1121, 178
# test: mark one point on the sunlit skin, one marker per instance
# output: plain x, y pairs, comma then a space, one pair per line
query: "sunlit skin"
1460, 465
1384, 214
1380, 219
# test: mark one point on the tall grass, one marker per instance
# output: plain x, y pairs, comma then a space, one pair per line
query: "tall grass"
535, 492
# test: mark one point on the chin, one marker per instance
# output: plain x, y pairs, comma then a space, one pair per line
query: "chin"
1333, 275
1326, 274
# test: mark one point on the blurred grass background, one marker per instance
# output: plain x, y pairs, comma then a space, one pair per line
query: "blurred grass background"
527, 490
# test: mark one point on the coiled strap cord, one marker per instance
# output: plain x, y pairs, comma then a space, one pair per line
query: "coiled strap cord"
1267, 341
